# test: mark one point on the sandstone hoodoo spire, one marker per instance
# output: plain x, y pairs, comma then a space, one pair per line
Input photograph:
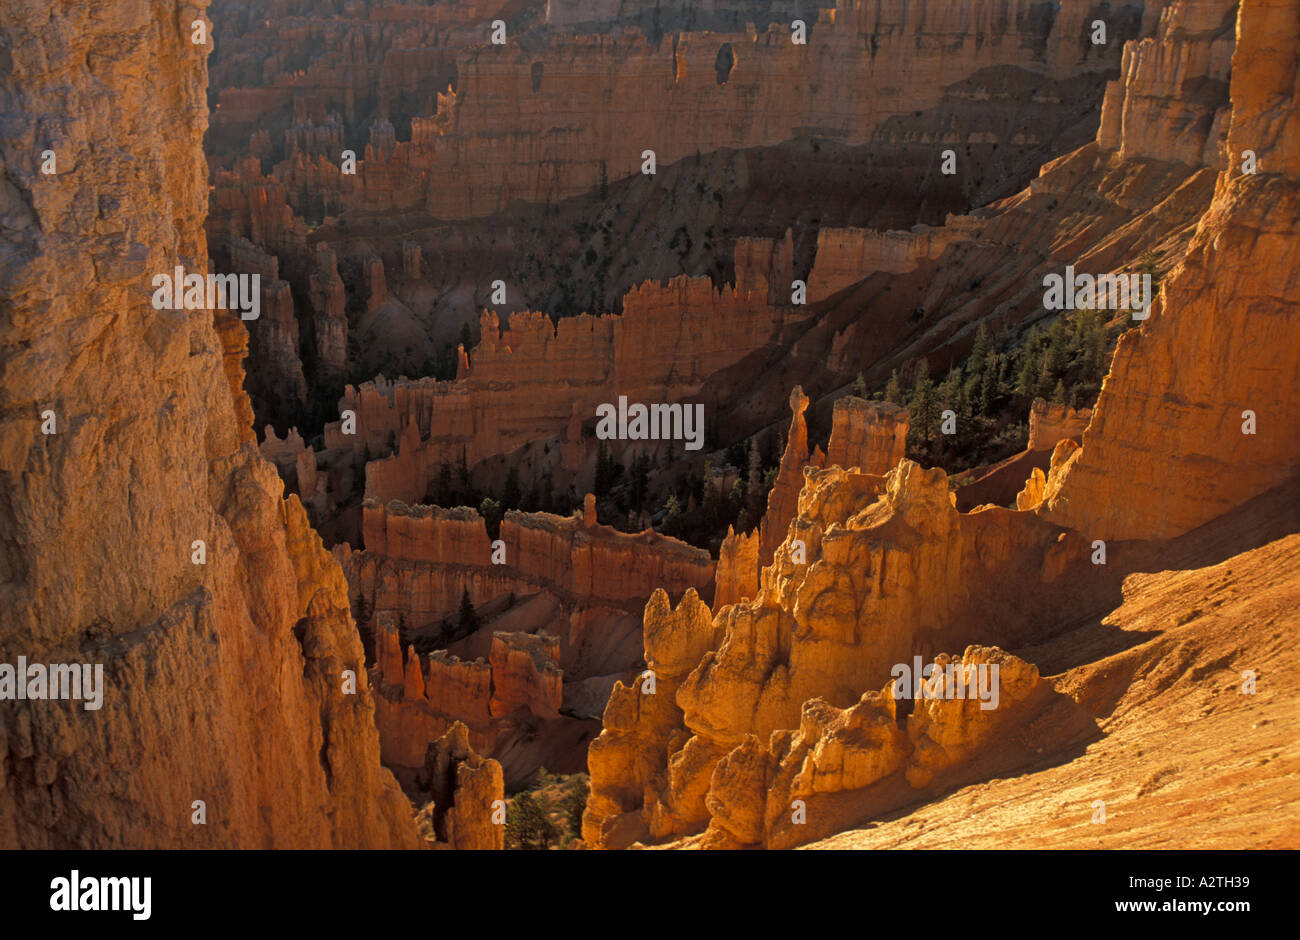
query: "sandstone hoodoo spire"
725, 426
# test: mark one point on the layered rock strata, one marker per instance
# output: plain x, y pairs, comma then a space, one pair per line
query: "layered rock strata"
561, 606
661, 349
1196, 442
516, 106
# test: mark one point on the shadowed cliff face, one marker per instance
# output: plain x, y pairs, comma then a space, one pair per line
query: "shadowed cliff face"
223, 680
502, 162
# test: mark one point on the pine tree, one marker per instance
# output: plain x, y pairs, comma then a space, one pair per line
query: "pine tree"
755, 496
640, 483
1147, 265
1027, 379
492, 514
462, 473
923, 405
977, 361
444, 484
575, 802
893, 390
604, 480
1058, 349
952, 385
860, 386
1092, 340
511, 496
672, 515
528, 823
468, 616
988, 383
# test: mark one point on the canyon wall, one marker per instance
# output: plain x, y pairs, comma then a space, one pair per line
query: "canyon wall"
535, 378
231, 668
449, 126
1135, 189
1051, 423
559, 600
1004, 483
1169, 446
523, 124
575, 559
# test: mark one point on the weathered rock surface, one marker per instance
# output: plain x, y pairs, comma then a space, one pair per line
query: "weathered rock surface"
892, 571
561, 616
1152, 669
467, 790
528, 382
226, 682
1181, 433
769, 714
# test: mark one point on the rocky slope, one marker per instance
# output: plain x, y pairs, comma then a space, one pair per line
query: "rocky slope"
224, 679
1164, 706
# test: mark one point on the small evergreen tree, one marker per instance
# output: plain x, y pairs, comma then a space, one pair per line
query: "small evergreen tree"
923, 404
755, 495
978, 358
511, 495
894, 391
528, 823
672, 515
492, 513
1027, 377
444, 485
988, 386
462, 472
575, 802
640, 482
1058, 349
468, 616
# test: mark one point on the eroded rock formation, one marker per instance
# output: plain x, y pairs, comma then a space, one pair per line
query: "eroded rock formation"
150, 453
1195, 442
892, 571
560, 601
467, 792
769, 736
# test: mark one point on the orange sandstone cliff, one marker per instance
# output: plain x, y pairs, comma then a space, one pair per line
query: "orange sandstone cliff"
223, 679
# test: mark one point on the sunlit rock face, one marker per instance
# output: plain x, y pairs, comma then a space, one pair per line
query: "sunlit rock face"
226, 678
